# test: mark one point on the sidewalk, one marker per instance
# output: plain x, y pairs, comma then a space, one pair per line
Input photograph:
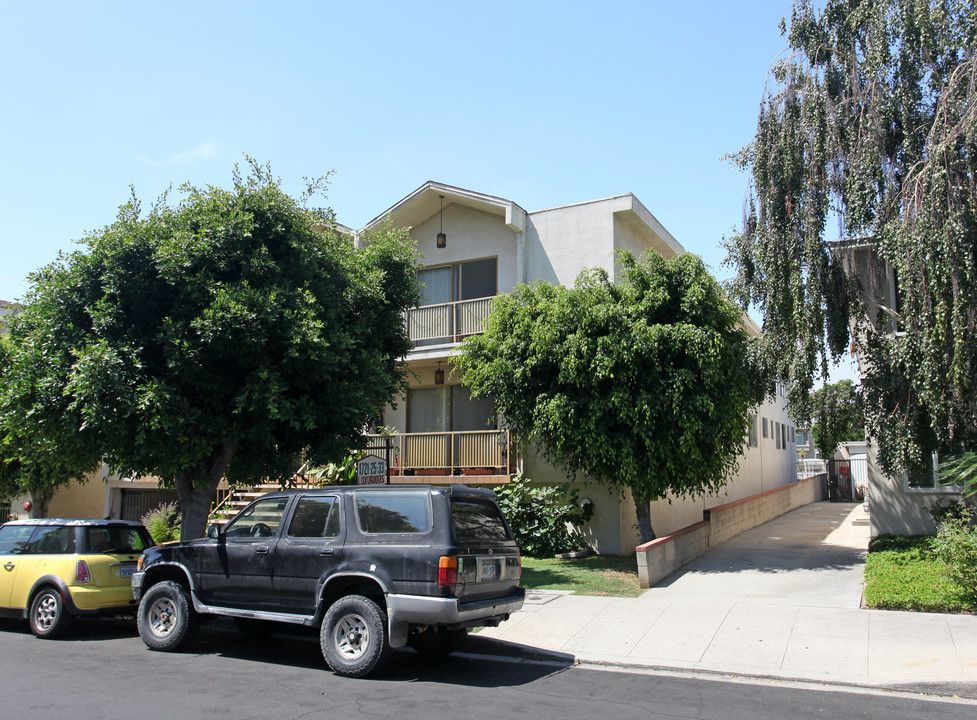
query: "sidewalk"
779, 601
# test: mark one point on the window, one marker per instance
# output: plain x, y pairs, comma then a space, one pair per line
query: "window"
449, 309
753, 439
258, 520
57, 540
450, 408
13, 538
476, 520
315, 517
766, 433
403, 511
783, 436
116, 540
776, 433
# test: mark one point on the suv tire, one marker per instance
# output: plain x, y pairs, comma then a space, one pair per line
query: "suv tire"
48, 616
166, 619
353, 636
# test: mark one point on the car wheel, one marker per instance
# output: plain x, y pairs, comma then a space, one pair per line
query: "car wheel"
48, 616
353, 636
166, 619
435, 642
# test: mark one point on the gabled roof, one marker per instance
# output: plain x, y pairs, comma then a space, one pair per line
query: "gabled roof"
426, 201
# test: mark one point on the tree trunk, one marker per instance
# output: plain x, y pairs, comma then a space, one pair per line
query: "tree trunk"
642, 508
196, 496
40, 502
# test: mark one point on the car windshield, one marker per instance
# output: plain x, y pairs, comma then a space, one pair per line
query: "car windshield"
120, 540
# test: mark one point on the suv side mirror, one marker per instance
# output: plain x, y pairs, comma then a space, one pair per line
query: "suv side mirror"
214, 531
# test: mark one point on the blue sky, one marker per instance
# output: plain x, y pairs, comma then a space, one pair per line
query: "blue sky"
542, 103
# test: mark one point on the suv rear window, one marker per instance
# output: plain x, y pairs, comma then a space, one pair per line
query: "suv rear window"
406, 511
477, 520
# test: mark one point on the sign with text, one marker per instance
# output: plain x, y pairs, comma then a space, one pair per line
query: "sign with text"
371, 470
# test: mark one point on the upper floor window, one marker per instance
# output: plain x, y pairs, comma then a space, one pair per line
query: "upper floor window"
455, 301
461, 281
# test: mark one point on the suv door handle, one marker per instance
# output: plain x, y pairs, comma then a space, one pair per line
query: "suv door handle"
261, 550
326, 552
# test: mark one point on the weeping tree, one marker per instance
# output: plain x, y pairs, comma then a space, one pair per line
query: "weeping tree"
644, 384
837, 416
870, 120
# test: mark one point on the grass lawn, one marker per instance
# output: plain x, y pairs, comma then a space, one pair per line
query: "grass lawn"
594, 575
901, 573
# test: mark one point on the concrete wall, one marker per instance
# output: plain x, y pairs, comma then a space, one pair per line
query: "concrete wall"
660, 558
560, 242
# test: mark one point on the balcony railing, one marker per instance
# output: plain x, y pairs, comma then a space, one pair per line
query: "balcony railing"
481, 452
448, 322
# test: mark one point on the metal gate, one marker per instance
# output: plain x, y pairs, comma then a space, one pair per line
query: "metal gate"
841, 487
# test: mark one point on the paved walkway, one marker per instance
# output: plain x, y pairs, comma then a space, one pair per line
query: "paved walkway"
780, 601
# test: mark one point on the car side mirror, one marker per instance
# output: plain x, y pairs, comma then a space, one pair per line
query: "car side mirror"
214, 531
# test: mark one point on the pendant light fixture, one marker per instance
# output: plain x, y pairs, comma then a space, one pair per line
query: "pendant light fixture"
442, 238
439, 375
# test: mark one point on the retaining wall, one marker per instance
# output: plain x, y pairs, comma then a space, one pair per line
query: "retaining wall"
661, 557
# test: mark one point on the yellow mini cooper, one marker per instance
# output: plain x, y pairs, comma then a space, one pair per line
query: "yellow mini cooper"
54, 569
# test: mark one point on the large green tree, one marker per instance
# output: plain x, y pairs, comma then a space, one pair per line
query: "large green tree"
837, 416
43, 442
644, 384
871, 119
223, 336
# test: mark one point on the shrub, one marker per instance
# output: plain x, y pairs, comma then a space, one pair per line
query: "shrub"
956, 546
952, 510
163, 523
539, 516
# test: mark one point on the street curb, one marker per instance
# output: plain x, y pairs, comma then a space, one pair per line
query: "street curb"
494, 648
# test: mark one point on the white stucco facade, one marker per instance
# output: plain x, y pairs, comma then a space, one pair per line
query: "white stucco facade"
555, 245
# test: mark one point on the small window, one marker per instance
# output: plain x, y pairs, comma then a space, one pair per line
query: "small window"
13, 538
766, 432
753, 439
56, 540
476, 520
312, 518
258, 520
783, 436
776, 433
406, 511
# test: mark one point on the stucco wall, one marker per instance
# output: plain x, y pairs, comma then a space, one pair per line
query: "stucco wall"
80, 500
562, 241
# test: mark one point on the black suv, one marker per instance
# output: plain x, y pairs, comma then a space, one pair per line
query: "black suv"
375, 567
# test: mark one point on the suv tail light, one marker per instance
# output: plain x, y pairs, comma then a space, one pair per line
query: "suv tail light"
447, 571
81, 572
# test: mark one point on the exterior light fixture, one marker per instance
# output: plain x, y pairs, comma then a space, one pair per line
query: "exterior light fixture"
442, 238
439, 375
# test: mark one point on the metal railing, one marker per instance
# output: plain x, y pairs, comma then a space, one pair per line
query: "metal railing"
448, 322
452, 453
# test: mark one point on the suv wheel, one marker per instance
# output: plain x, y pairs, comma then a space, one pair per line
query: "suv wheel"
48, 617
353, 636
435, 642
166, 619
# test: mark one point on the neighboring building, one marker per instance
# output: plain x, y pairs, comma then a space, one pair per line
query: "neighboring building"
491, 245
898, 505
443, 435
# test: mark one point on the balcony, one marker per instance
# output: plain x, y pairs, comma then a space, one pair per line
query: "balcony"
485, 457
448, 322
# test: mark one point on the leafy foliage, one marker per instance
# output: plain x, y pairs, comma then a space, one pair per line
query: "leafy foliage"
220, 337
871, 117
903, 573
163, 522
539, 516
956, 546
960, 469
644, 384
838, 417
949, 511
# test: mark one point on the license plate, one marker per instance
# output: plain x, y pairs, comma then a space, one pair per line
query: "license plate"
490, 570
127, 570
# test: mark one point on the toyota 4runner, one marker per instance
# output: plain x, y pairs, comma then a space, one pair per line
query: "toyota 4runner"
374, 567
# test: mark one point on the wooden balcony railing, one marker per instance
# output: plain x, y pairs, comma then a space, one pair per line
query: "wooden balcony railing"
489, 452
448, 322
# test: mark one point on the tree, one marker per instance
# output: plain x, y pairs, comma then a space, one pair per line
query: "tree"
645, 384
223, 337
43, 445
837, 417
872, 118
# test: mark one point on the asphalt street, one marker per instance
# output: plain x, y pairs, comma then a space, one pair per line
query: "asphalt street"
102, 670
